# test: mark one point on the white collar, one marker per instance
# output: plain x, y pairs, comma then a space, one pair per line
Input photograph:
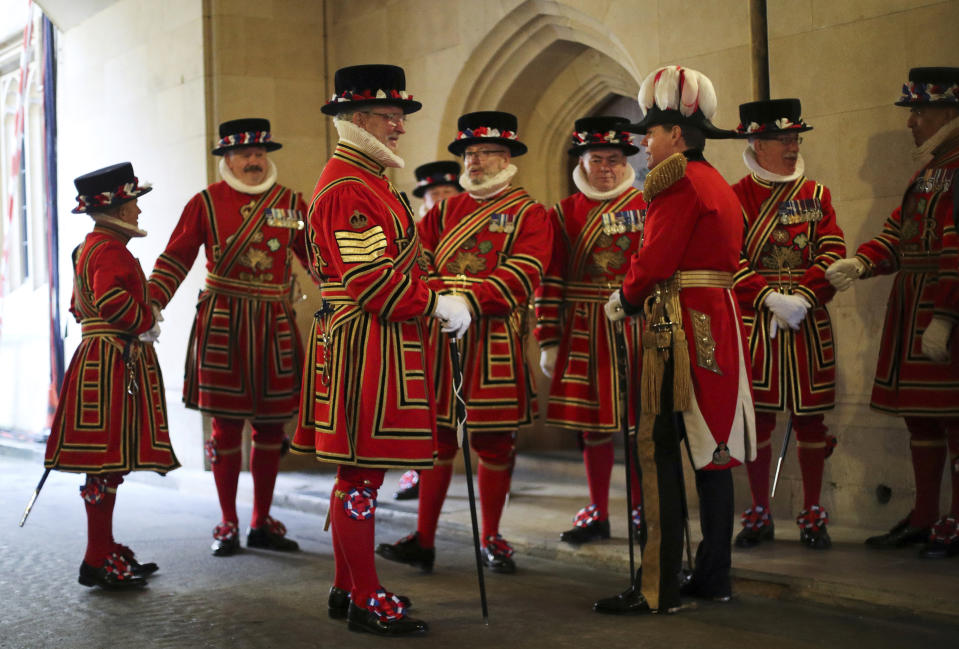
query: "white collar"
365, 142
241, 186
490, 187
923, 153
749, 157
593, 194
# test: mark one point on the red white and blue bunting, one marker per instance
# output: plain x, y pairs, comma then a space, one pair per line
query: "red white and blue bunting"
245, 139
781, 124
368, 95
486, 132
612, 138
916, 92
435, 179
105, 199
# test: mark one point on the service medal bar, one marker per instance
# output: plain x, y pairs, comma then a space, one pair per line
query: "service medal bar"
283, 218
935, 180
624, 221
499, 222
804, 210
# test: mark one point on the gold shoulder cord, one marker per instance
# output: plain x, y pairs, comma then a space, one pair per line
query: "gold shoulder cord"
664, 175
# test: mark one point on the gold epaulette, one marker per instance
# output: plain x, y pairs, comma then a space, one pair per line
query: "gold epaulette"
663, 175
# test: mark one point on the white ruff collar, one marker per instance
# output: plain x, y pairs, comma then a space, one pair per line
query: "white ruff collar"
241, 186
365, 142
488, 187
749, 157
923, 153
115, 224
593, 194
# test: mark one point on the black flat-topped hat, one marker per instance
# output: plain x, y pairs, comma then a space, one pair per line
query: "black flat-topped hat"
493, 126
249, 131
931, 87
603, 131
770, 118
431, 174
362, 86
107, 187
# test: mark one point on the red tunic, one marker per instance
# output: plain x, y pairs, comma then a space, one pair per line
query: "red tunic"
493, 252
367, 396
919, 243
696, 224
791, 238
593, 243
99, 427
244, 356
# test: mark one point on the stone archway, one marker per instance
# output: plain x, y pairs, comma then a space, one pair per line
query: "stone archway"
548, 64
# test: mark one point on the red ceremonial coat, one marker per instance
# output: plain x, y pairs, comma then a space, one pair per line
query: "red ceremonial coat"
696, 224
919, 243
367, 392
791, 237
593, 242
493, 253
244, 356
112, 414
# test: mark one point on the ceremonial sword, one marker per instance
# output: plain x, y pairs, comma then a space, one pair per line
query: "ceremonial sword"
33, 498
629, 450
782, 453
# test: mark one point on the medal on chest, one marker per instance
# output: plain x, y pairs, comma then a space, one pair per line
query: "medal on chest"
499, 222
803, 210
623, 221
283, 218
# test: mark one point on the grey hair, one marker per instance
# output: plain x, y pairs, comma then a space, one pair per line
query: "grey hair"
344, 117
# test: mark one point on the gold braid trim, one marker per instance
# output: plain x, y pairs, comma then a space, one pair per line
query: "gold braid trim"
663, 175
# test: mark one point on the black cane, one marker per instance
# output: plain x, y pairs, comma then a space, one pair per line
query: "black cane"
461, 426
782, 453
33, 498
622, 371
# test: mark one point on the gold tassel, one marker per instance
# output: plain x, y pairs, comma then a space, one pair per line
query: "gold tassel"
651, 379
682, 375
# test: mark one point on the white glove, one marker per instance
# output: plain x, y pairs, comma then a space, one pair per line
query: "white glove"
842, 273
935, 340
790, 308
454, 315
614, 308
152, 334
775, 324
547, 360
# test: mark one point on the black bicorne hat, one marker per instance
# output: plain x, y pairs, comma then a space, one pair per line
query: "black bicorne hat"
770, 118
931, 87
487, 126
107, 187
603, 131
431, 174
360, 86
679, 96
249, 131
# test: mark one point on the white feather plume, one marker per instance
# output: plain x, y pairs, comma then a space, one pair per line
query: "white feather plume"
664, 92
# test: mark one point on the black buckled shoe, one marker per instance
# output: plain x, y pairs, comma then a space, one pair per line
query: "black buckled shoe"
409, 487
387, 619
226, 539
497, 555
409, 551
339, 603
815, 539
630, 601
901, 535
114, 574
594, 531
271, 536
812, 528
758, 526
138, 569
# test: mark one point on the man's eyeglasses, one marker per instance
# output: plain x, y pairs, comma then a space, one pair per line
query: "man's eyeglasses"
786, 140
395, 119
482, 154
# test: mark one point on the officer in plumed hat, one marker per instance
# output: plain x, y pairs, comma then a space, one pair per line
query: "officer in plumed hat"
244, 355
595, 232
917, 375
363, 410
111, 418
791, 237
695, 378
489, 246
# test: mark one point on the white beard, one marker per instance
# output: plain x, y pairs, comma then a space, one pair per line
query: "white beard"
365, 142
488, 187
749, 157
593, 194
241, 186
